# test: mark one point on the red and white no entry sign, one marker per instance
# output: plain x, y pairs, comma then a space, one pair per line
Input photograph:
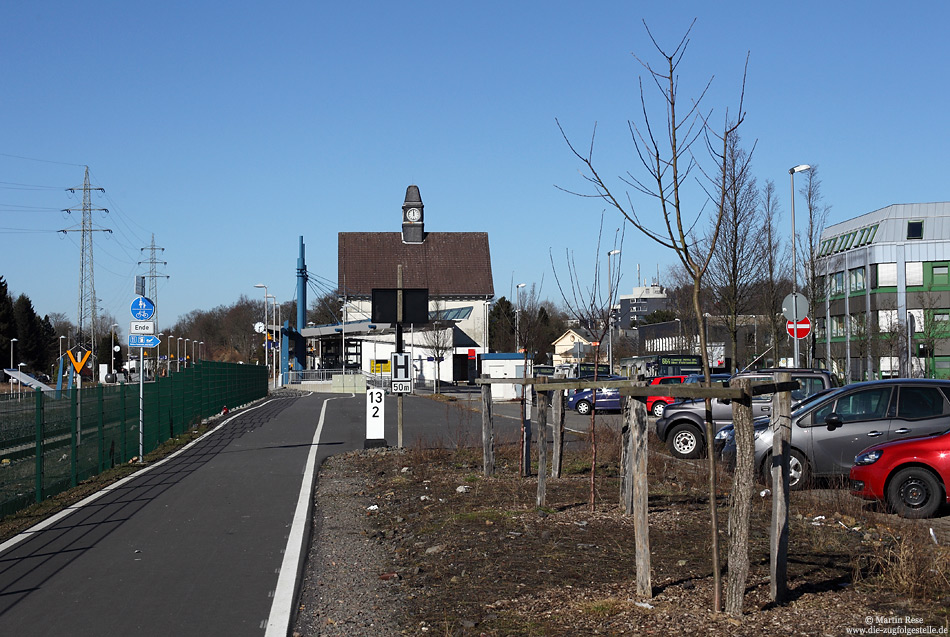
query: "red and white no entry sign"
800, 329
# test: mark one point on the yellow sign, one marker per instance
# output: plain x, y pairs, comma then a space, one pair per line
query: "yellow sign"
78, 365
381, 366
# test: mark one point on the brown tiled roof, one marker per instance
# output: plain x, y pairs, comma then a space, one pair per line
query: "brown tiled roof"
447, 263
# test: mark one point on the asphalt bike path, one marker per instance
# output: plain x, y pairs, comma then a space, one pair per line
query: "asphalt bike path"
210, 540
194, 545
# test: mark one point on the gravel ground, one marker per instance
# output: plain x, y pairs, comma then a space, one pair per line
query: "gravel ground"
343, 591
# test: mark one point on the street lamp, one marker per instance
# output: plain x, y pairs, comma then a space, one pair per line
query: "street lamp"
791, 174
610, 313
186, 353
200, 347
19, 387
679, 348
276, 315
112, 367
12, 341
261, 285
193, 343
178, 355
519, 300
168, 362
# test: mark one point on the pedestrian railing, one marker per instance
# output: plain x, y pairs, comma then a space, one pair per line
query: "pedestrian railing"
49, 444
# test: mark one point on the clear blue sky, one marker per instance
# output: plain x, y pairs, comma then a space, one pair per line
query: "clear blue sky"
229, 129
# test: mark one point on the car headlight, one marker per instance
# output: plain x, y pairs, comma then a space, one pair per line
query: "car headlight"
869, 457
724, 434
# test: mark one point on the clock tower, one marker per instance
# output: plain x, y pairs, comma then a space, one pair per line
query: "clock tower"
413, 228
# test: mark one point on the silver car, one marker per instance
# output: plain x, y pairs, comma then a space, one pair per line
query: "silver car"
829, 432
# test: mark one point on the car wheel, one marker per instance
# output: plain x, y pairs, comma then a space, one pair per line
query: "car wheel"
685, 442
914, 492
583, 407
797, 471
658, 408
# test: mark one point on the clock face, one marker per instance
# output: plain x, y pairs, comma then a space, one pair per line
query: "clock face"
413, 214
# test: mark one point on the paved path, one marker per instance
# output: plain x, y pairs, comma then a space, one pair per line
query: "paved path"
192, 546
209, 540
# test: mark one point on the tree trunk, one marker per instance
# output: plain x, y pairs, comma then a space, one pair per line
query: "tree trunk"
710, 458
741, 500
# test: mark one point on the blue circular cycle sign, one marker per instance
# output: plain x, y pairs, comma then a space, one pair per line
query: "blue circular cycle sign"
142, 309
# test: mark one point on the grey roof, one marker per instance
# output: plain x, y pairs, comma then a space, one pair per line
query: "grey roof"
887, 226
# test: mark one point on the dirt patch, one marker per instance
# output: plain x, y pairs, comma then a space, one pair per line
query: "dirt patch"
470, 555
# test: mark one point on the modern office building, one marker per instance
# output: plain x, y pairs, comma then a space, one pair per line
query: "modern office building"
885, 309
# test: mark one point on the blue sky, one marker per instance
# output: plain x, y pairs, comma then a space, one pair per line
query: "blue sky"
229, 129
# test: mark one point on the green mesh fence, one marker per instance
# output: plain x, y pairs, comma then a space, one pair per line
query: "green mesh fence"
50, 442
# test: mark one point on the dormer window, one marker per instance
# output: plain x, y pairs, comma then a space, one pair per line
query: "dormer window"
915, 230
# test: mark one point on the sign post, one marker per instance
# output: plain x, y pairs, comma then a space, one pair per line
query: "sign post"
142, 310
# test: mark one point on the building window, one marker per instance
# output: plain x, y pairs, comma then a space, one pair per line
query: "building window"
941, 274
856, 279
886, 275
837, 326
887, 321
914, 272
915, 230
837, 283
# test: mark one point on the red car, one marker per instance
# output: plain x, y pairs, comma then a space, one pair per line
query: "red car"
656, 404
911, 475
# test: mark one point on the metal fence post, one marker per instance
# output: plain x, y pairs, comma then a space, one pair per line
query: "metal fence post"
39, 445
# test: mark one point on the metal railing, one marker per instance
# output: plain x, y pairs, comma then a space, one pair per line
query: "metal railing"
318, 375
49, 444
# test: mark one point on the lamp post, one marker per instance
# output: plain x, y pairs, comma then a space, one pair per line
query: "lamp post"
193, 343
201, 345
19, 387
178, 355
679, 348
519, 300
610, 313
186, 352
12, 341
791, 174
261, 285
168, 363
112, 365
276, 315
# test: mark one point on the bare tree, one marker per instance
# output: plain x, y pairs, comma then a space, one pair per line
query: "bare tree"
590, 306
809, 243
666, 152
737, 263
774, 268
439, 339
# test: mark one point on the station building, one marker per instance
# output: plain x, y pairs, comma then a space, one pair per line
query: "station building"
455, 268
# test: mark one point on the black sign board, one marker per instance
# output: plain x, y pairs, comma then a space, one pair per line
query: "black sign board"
415, 305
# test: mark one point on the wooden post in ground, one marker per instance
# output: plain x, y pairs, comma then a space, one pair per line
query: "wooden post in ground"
636, 492
741, 505
557, 415
488, 433
543, 399
781, 436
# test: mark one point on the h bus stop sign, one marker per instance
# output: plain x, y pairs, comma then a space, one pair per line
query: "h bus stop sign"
401, 378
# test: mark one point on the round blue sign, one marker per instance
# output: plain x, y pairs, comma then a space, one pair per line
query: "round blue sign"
142, 309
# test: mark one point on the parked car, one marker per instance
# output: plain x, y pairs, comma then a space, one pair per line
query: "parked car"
655, 404
828, 432
682, 426
607, 399
911, 476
